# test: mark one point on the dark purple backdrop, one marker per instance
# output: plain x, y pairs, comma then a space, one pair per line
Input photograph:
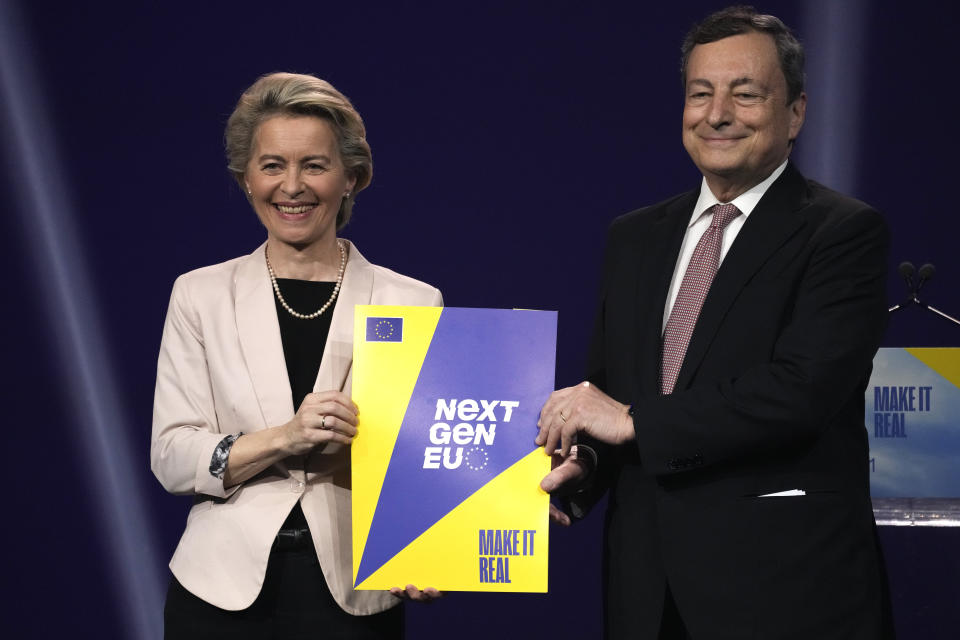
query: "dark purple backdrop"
506, 136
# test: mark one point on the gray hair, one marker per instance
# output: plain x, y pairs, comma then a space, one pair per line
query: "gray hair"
294, 94
736, 20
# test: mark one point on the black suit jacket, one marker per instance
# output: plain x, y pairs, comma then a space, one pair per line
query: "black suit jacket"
770, 398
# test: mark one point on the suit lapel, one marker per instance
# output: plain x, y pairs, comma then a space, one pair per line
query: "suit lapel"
771, 223
259, 333
357, 289
653, 284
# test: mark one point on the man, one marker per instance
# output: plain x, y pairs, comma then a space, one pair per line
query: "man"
724, 400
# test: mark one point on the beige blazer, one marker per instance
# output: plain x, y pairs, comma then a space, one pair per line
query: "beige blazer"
221, 370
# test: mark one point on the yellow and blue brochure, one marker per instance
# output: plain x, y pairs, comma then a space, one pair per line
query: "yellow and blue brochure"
446, 475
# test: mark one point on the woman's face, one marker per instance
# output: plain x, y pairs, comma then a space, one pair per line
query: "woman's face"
296, 180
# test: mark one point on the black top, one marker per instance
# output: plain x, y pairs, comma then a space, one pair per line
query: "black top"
303, 342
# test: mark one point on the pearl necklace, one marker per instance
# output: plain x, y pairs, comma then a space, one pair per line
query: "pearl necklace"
326, 305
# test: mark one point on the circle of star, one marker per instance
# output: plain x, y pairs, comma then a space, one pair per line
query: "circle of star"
383, 329
476, 458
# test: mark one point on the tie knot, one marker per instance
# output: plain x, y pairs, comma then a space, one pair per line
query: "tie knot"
723, 214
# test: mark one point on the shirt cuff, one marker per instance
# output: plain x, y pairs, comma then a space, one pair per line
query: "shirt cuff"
588, 456
578, 503
218, 462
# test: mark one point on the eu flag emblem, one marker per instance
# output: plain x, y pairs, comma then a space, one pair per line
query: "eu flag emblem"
384, 329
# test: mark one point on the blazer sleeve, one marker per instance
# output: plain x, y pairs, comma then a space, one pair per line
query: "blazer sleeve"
185, 426
603, 459
813, 378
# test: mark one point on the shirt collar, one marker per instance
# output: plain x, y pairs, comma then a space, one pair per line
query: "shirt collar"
745, 202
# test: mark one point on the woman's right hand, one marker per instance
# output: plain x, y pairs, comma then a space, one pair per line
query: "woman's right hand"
328, 416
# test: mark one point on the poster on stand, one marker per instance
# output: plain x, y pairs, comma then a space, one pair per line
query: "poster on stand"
913, 422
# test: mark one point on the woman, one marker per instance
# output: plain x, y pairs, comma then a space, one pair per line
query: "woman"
252, 413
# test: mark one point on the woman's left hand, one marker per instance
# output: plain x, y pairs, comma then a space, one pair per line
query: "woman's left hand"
412, 593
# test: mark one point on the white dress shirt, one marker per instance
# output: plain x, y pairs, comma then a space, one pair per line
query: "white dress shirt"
699, 223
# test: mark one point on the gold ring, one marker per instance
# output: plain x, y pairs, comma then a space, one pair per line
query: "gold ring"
563, 417
323, 422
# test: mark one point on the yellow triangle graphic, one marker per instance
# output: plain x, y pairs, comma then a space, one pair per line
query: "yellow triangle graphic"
382, 406
945, 361
447, 555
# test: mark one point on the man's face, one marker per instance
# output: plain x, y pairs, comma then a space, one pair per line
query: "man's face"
737, 125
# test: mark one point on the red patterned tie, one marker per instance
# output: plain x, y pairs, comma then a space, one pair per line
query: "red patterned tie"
693, 290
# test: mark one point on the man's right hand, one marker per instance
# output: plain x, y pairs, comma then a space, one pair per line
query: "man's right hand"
565, 477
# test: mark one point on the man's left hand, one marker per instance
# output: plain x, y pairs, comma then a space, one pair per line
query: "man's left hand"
582, 408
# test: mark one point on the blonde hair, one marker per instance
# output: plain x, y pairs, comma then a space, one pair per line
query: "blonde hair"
295, 94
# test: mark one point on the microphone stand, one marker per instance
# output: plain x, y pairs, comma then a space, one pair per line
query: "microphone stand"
938, 312
926, 273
